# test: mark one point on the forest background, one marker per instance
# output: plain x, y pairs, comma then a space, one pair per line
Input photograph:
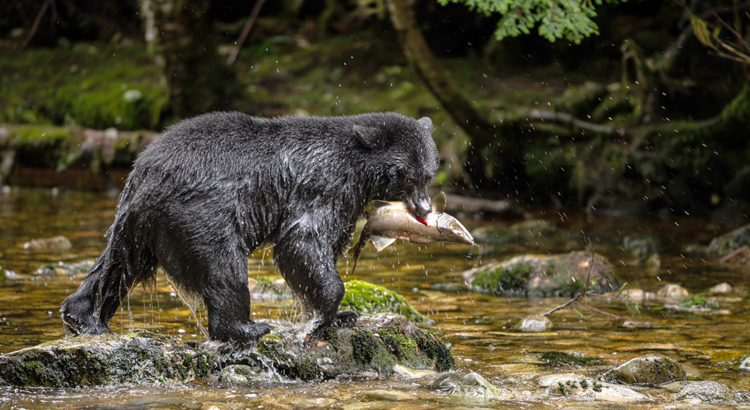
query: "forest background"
638, 107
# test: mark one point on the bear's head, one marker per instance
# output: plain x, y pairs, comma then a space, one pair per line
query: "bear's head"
404, 151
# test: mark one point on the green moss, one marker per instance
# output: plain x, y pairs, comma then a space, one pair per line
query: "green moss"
501, 279
436, 349
366, 298
97, 86
697, 300
364, 345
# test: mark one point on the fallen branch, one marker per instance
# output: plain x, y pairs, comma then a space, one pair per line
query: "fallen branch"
35, 26
245, 31
581, 293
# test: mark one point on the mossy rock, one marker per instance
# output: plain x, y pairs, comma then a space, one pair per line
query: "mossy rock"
64, 268
378, 343
731, 241
647, 371
544, 275
366, 298
641, 246
135, 356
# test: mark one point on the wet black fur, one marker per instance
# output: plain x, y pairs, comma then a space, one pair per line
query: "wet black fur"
213, 188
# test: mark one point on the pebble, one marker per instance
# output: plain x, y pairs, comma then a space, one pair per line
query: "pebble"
721, 288
673, 291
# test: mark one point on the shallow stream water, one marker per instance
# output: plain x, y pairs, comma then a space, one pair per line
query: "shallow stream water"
479, 327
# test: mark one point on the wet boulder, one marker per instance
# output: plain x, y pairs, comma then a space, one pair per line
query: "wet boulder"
54, 244
706, 391
366, 298
135, 356
530, 234
745, 365
672, 291
544, 275
535, 323
472, 387
578, 385
641, 246
721, 288
646, 371
731, 241
377, 344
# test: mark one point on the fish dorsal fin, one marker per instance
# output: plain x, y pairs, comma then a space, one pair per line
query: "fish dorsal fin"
378, 203
438, 202
382, 242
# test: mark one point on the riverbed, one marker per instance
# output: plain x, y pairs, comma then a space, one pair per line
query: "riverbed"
480, 327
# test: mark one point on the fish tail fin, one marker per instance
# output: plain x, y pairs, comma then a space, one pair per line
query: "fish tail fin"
354, 253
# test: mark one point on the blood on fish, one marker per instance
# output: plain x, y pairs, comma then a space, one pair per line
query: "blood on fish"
422, 221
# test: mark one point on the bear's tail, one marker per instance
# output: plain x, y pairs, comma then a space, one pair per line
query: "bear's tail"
121, 266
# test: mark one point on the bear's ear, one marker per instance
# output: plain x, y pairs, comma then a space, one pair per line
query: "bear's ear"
427, 123
369, 137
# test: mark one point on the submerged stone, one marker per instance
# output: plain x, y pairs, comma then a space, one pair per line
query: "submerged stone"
647, 371
135, 356
377, 344
240, 373
534, 234
64, 268
544, 275
54, 244
269, 288
366, 298
582, 386
535, 323
472, 387
706, 391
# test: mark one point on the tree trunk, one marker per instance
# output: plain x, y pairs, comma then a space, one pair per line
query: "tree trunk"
482, 132
180, 39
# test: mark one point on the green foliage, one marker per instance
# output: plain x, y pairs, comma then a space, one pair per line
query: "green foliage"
556, 19
697, 300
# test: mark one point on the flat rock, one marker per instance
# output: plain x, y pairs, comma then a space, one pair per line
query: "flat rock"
412, 374
543, 275
472, 387
54, 244
535, 323
135, 356
578, 385
646, 371
64, 268
706, 391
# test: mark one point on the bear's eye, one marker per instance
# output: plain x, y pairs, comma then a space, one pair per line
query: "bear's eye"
409, 182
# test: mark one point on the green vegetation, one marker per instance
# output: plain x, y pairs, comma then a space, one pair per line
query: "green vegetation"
366, 298
699, 301
92, 85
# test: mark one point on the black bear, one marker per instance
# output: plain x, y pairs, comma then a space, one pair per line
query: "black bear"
211, 189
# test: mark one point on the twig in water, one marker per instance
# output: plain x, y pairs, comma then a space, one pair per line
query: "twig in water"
581, 293
600, 311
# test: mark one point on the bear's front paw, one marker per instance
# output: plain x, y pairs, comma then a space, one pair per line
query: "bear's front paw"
345, 319
255, 331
